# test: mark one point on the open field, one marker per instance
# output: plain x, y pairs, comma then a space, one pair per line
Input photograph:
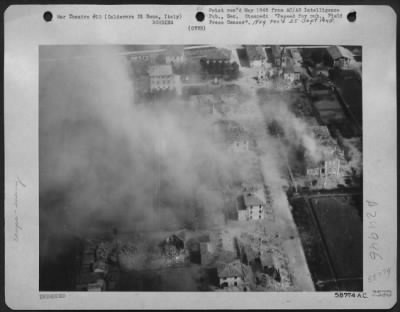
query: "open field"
331, 233
341, 228
315, 253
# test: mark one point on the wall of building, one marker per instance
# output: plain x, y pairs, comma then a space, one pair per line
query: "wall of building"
257, 63
178, 59
162, 82
256, 212
242, 215
328, 168
231, 281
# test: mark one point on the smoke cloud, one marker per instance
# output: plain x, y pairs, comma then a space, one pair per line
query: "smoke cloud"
296, 132
107, 160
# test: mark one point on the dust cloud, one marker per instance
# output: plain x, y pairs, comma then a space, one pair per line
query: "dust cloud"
106, 161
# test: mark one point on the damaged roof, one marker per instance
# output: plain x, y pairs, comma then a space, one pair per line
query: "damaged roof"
232, 131
173, 240
251, 199
340, 52
232, 269
321, 132
266, 259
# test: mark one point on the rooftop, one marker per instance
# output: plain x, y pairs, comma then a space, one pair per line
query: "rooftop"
173, 240
339, 51
251, 199
276, 51
232, 131
266, 259
255, 52
160, 70
217, 54
232, 269
321, 132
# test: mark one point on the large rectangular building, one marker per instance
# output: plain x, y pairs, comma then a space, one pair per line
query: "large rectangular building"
250, 207
161, 78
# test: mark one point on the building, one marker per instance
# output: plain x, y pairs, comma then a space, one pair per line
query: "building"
268, 266
208, 104
207, 251
333, 155
103, 250
291, 74
262, 74
296, 56
209, 53
142, 85
162, 78
100, 266
174, 55
173, 250
233, 274
90, 281
235, 138
256, 55
217, 63
218, 56
250, 207
99, 285
276, 55
326, 168
144, 56
96, 265
341, 56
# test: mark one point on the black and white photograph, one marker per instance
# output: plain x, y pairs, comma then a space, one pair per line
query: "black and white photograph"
200, 168
237, 156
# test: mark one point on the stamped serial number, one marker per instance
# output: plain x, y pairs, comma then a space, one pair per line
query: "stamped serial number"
350, 295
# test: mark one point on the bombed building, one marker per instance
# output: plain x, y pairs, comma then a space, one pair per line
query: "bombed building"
234, 137
173, 250
250, 207
332, 156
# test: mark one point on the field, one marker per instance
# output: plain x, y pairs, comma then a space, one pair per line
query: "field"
314, 250
341, 229
331, 233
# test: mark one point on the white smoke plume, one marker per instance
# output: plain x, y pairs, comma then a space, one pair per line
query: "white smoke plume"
296, 132
109, 160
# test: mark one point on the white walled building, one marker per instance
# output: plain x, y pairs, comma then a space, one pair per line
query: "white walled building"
233, 274
239, 146
341, 56
333, 159
161, 78
291, 75
235, 138
250, 207
256, 55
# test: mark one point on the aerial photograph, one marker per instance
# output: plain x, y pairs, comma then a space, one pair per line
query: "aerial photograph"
200, 168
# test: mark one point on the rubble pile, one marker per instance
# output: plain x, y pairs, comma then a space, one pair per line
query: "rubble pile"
258, 247
130, 257
98, 269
